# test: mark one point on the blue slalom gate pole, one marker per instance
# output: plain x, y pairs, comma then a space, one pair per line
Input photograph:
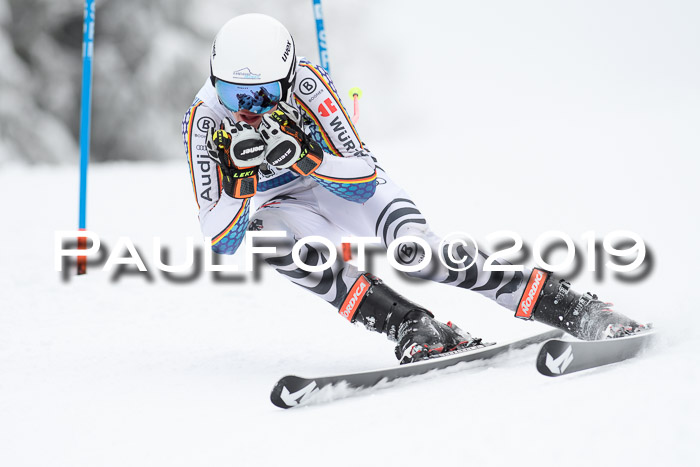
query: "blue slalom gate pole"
85, 106
321, 35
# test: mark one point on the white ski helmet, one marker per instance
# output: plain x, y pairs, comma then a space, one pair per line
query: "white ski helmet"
253, 63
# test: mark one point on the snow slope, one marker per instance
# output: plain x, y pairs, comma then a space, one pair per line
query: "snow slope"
132, 372
593, 103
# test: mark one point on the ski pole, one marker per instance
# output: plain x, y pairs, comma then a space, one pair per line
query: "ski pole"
321, 35
356, 94
85, 100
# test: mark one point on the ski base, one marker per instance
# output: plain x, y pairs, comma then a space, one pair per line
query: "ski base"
559, 357
292, 391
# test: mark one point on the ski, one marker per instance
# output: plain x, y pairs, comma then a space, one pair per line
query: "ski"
292, 391
560, 357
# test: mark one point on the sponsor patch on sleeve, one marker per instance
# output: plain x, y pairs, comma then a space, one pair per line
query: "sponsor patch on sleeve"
531, 294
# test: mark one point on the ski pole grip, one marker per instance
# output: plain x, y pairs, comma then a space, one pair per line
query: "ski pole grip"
356, 94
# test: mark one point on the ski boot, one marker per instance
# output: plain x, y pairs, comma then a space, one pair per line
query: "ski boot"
417, 333
421, 336
551, 301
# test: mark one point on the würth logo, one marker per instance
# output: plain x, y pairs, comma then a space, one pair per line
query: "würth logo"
531, 294
352, 301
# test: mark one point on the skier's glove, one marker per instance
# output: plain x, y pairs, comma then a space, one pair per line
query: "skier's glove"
238, 150
287, 145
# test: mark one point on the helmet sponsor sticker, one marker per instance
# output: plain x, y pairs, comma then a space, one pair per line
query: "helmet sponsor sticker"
287, 49
246, 74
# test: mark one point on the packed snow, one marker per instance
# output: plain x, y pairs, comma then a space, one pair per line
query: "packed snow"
139, 371
572, 118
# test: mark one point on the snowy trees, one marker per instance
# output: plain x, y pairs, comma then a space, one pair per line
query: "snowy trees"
150, 59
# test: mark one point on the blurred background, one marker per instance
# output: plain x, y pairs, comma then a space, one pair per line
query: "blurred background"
506, 69
150, 60
595, 102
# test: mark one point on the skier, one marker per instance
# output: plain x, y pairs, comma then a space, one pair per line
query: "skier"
298, 153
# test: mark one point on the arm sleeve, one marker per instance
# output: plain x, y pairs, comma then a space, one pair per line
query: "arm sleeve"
221, 217
347, 169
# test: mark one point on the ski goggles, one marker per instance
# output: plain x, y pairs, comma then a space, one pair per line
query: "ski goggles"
256, 98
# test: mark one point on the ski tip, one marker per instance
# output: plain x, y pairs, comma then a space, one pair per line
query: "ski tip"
292, 391
275, 395
554, 366
556, 357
